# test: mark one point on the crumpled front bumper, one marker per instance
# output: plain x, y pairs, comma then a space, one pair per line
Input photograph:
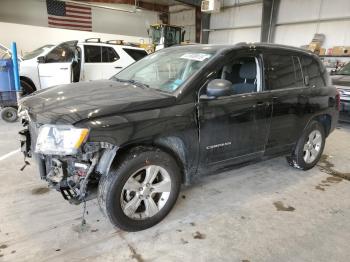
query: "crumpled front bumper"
75, 176
27, 143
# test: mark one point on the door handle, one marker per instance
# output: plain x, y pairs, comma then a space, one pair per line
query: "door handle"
260, 103
118, 67
64, 68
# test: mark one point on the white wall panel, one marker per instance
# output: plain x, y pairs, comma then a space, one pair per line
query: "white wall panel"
336, 32
23, 12
335, 8
301, 10
298, 10
237, 16
134, 24
234, 36
30, 37
33, 12
295, 35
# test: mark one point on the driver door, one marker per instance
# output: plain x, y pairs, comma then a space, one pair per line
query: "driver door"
56, 69
234, 128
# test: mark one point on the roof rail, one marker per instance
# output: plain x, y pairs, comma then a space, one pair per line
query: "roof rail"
122, 42
115, 42
93, 40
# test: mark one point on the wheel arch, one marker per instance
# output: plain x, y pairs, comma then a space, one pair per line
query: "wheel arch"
28, 81
171, 145
325, 120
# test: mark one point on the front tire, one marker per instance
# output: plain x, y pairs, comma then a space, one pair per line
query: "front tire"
141, 191
309, 148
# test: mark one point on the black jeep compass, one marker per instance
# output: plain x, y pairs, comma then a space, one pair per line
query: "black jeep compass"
178, 114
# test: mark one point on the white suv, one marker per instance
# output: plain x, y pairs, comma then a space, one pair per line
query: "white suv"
75, 61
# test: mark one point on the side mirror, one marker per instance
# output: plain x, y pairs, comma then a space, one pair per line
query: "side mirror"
333, 72
41, 59
219, 87
306, 80
183, 35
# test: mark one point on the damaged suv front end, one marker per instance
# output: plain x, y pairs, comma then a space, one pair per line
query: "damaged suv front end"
65, 159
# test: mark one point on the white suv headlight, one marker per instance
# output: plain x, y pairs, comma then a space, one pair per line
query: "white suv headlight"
60, 139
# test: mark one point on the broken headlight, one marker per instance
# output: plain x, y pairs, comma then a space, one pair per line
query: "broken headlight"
60, 139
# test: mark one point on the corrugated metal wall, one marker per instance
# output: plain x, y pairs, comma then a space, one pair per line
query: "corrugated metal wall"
329, 17
297, 22
184, 16
236, 24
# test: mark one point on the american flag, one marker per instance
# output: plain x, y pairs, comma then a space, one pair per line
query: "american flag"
68, 15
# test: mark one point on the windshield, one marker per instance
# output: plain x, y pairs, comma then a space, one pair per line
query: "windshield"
344, 70
36, 52
165, 70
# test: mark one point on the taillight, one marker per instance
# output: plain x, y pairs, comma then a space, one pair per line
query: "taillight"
337, 99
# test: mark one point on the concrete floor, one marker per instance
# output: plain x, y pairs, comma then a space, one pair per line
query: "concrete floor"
264, 212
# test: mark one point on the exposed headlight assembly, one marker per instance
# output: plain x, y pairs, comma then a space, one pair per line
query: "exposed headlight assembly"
60, 139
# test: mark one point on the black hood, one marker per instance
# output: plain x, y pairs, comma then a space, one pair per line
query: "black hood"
87, 100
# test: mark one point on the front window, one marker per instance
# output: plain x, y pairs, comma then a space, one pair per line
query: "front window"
165, 70
345, 70
60, 54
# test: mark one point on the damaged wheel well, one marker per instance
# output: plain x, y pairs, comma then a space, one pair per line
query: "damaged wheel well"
123, 152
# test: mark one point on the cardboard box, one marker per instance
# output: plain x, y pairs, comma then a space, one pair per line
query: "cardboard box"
322, 51
341, 51
314, 47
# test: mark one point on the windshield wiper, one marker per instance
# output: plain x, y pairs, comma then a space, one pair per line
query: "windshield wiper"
131, 81
137, 83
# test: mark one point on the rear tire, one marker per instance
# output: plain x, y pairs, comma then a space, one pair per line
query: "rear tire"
309, 148
9, 114
141, 191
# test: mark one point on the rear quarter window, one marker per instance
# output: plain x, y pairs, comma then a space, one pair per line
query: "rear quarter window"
282, 71
136, 54
313, 70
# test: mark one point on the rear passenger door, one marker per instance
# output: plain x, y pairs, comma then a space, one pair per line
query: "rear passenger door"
100, 62
284, 82
111, 62
92, 61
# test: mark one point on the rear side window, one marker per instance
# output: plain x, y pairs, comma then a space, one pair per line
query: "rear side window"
135, 53
92, 54
282, 71
109, 55
312, 70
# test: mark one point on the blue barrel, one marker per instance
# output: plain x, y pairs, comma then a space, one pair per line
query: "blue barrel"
7, 83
